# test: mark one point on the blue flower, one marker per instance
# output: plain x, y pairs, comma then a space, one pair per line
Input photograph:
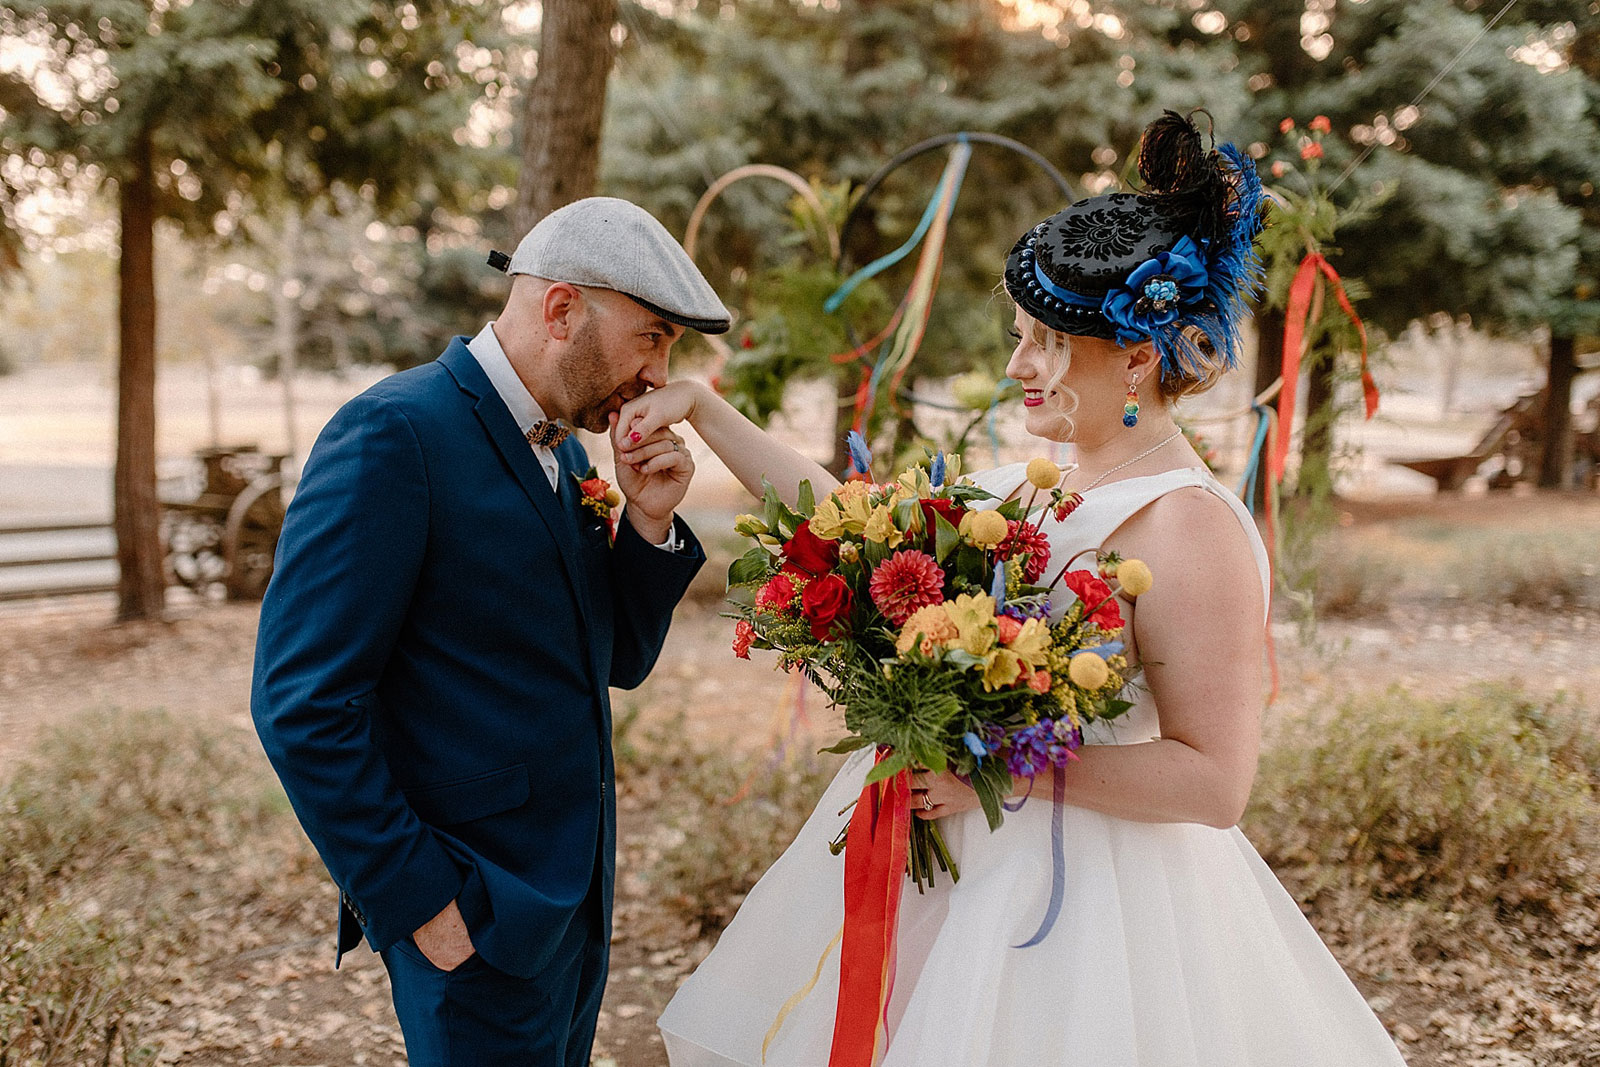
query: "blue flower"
860, 454
997, 588
1110, 648
1157, 292
975, 745
936, 475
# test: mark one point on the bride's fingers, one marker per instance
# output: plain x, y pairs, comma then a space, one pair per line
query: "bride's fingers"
649, 450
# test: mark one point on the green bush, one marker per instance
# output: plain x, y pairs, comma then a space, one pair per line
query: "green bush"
8, 365
1485, 797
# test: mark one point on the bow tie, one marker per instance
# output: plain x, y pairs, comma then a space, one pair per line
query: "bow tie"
547, 434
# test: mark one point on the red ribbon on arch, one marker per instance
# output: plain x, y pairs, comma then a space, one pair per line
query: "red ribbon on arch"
1295, 316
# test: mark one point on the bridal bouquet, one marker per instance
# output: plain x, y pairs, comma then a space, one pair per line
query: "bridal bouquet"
926, 618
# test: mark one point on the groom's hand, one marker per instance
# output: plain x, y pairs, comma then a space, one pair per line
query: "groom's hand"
444, 939
653, 473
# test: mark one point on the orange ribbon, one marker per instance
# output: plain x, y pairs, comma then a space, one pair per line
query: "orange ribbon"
1295, 316
875, 853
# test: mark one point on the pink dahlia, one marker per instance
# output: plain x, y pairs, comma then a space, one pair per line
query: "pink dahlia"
904, 582
1025, 538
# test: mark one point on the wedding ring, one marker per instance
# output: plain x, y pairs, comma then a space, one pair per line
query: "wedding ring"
927, 802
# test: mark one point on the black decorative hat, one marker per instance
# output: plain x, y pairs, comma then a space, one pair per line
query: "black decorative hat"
1140, 266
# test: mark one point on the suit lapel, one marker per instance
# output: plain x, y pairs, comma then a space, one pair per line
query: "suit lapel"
515, 450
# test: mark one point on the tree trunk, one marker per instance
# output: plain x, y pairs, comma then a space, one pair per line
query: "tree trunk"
565, 107
1555, 469
1269, 365
141, 583
286, 326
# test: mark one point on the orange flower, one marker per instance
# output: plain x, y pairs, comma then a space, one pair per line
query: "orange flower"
743, 634
1311, 150
1040, 682
1286, 125
1321, 124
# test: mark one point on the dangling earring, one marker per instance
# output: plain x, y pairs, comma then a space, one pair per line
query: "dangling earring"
1130, 407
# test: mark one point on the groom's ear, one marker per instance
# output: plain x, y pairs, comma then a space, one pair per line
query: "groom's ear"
561, 303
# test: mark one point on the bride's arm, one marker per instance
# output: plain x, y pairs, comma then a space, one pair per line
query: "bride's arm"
1200, 635
748, 451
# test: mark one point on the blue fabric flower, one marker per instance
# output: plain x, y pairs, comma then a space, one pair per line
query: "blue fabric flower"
1157, 292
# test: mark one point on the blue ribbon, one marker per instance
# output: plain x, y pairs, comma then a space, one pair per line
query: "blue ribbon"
884, 262
1247, 485
1058, 861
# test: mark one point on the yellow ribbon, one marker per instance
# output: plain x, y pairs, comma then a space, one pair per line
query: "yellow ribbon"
801, 994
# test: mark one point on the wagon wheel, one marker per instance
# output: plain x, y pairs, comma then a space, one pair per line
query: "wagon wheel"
250, 539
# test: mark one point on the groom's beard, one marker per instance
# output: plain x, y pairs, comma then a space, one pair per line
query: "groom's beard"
593, 395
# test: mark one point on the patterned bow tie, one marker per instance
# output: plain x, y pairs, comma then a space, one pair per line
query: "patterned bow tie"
547, 434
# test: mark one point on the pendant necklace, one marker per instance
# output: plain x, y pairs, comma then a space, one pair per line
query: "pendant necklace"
1128, 463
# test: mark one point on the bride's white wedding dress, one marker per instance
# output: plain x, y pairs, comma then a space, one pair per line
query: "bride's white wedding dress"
1176, 945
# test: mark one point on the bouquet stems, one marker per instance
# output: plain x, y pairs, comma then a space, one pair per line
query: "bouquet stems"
927, 849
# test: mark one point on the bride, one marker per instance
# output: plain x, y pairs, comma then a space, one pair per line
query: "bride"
1175, 946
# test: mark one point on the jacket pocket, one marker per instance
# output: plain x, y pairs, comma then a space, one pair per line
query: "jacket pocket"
465, 799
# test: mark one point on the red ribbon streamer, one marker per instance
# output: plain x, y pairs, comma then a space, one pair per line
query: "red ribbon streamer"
875, 853
1295, 316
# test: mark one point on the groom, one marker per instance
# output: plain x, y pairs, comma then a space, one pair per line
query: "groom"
448, 610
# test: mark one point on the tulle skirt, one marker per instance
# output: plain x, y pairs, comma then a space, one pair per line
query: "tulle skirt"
1176, 947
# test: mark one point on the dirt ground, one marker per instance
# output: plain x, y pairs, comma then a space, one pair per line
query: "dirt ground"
268, 993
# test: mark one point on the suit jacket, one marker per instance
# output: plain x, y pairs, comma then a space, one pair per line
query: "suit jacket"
433, 661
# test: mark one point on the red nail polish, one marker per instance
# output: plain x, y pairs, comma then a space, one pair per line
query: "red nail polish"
635, 436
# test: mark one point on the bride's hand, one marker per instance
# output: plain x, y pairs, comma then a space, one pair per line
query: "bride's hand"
654, 410
933, 796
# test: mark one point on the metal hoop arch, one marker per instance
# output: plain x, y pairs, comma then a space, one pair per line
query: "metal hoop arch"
924, 147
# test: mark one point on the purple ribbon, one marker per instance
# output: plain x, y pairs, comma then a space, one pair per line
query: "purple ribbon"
1058, 862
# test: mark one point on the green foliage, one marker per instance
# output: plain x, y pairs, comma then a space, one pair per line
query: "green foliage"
8, 365
1488, 797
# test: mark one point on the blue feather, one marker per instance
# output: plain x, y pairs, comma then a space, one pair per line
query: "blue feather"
860, 454
936, 475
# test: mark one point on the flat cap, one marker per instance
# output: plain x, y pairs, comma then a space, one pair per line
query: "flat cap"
614, 244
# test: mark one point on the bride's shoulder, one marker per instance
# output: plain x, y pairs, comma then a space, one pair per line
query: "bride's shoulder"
1190, 525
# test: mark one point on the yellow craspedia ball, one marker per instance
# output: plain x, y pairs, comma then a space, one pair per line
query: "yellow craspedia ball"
1088, 671
984, 528
1043, 474
1134, 577
613, 498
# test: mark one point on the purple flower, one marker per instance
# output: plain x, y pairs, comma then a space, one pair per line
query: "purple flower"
1027, 608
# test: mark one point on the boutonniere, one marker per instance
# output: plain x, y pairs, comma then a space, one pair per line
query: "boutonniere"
598, 496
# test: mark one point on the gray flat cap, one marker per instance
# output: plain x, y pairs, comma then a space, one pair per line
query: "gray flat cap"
613, 244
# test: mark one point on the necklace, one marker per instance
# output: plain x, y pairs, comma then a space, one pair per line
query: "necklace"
1130, 462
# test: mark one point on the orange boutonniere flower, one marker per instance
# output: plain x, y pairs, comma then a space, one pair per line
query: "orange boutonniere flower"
598, 496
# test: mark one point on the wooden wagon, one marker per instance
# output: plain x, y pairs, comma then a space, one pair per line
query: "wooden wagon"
225, 535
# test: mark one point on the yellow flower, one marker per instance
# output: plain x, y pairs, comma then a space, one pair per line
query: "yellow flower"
613, 498
1088, 671
857, 511
1134, 577
1032, 643
983, 528
749, 525
827, 522
1043, 474
973, 615
929, 628
952, 468
848, 552
881, 528
1004, 668
915, 482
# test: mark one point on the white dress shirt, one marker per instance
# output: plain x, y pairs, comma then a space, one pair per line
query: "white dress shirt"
485, 348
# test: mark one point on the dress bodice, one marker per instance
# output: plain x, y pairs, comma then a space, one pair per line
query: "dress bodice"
1103, 511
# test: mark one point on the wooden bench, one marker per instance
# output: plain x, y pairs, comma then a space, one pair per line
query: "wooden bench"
1516, 436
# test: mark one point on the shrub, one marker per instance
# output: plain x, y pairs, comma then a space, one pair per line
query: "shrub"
1485, 797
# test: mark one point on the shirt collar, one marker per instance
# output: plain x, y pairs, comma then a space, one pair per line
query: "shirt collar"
485, 348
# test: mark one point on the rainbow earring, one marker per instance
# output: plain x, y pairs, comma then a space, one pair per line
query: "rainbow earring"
1130, 407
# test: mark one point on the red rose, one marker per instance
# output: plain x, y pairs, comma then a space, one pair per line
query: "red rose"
824, 602
594, 488
743, 634
776, 595
808, 553
952, 512
1092, 591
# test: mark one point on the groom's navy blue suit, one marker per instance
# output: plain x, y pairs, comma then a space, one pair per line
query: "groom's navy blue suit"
431, 685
